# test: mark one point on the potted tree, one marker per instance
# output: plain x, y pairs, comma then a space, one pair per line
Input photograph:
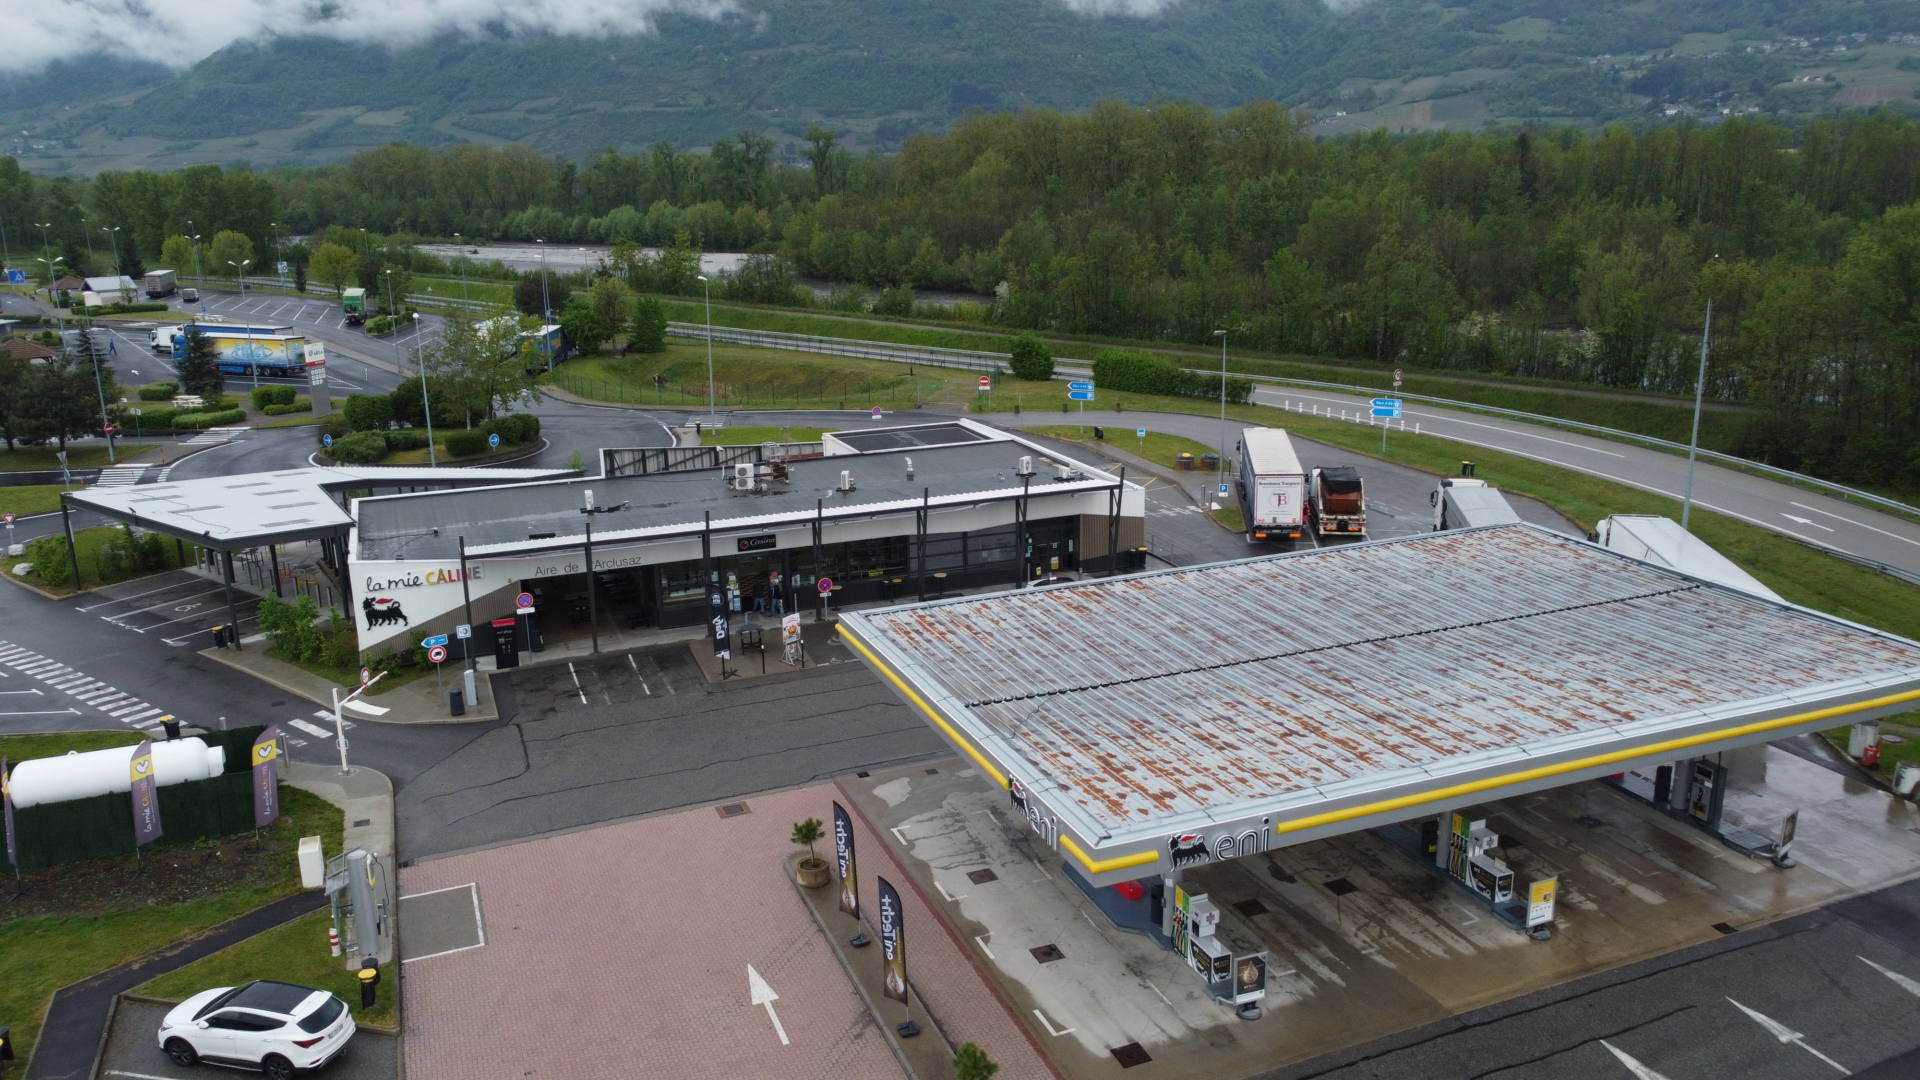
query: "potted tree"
811, 871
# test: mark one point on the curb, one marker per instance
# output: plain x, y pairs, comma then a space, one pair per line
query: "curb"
273, 681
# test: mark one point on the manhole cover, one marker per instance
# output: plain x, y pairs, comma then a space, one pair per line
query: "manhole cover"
863, 775
1250, 908
1130, 1055
732, 809
1341, 886
1726, 928
932, 772
1893, 738
1589, 821
981, 877
1046, 954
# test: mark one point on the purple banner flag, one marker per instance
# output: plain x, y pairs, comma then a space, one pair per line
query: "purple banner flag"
265, 761
6, 811
146, 796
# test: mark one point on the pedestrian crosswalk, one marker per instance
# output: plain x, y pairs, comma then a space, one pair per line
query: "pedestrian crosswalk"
121, 707
214, 436
121, 475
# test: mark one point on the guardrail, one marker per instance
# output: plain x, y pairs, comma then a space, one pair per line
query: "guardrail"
973, 360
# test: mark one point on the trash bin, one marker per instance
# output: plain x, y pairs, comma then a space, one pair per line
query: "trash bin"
219, 637
456, 703
1209, 462
171, 726
1184, 460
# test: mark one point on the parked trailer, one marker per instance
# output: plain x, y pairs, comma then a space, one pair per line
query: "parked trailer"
353, 304
1461, 503
1339, 502
159, 283
251, 350
1661, 541
1272, 486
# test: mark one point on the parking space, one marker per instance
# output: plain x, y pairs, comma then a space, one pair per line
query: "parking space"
179, 608
440, 922
131, 1052
1362, 939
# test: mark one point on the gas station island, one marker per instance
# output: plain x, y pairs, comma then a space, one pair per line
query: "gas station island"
1149, 724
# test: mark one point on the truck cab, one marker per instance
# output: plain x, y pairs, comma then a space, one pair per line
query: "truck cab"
1461, 503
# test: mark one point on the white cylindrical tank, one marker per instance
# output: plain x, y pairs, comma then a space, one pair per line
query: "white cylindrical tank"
101, 772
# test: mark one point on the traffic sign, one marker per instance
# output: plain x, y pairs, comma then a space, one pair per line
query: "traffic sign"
463, 631
1223, 491
437, 639
986, 383
1080, 386
281, 266
109, 429
525, 599
1386, 403
1396, 378
437, 653
326, 441
16, 277
1139, 433
876, 412
9, 521
826, 585
493, 440
1390, 414
366, 676
1080, 395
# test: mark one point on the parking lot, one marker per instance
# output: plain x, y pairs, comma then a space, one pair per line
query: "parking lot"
131, 1052
180, 608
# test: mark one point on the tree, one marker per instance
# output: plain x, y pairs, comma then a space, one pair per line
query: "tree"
335, 265
177, 253
527, 293
807, 833
582, 325
131, 264
200, 369
647, 328
229, 247
972, 1063
61, 402
368, 412
1030, 358
475, 366
13, 375
608, 300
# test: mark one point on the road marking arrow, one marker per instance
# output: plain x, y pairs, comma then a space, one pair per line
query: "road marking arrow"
759, 993
1639, 1071
1803, 521
1787, 1035
1911, 986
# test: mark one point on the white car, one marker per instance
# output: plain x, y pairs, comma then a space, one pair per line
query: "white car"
162, 339
275, 1027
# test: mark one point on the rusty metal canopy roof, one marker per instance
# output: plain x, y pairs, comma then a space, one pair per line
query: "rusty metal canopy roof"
1142, 705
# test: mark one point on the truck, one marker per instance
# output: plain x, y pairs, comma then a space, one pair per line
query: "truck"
251, 350
1661, 541
1272, 486
353, 304
1339, 501
1463, 502
159, 283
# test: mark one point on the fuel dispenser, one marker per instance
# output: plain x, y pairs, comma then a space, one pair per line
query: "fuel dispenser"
360, 892
1240, 981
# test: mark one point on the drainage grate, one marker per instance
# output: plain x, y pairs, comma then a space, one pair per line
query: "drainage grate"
1341, 886
1726, 928
1130, 1055
981, 877
1250, 908
932, 772
1047, 954
732, 809
1589, 821
863, 775
361, 823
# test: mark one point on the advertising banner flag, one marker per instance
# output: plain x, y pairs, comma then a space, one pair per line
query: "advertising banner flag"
849, 870
717, 621
6, 811
146, 796
266, 777
893, 944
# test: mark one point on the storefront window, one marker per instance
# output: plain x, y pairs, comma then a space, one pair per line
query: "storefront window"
990, 546
682, 581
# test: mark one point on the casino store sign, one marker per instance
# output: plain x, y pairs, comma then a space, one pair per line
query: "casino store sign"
1180, 850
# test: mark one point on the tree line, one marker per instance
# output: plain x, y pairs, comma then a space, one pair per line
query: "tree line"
1542, 253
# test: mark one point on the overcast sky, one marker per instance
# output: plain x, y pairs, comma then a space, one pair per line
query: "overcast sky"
180, 33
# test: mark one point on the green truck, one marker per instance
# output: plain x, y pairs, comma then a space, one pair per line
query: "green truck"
353, 304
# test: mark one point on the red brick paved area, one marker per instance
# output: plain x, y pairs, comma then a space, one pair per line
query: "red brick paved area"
954, 991
623, 951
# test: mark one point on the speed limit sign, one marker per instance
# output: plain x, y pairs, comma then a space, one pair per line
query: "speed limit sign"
437, 653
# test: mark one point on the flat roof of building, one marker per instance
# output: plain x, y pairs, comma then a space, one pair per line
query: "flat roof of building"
252, 509
910, 438
1365, 679
522, 517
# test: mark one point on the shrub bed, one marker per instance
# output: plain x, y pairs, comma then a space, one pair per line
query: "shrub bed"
160, 391
194, 421
297, 405
360, 448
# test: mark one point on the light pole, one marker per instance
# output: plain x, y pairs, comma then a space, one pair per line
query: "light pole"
426, 406
52, 273
196, 272
113, 243
93, 354
713, 408
1699, 391
88, 233
463, 267
1222, 335
546, 304
240, 273
273, 251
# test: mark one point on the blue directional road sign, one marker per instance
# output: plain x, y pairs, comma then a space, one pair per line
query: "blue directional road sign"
493, 440
1080, 395
16, 277
326, 441
1087, 386
1388, 407
1139, 433
437, 639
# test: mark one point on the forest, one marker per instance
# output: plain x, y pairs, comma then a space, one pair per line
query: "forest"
1546, 254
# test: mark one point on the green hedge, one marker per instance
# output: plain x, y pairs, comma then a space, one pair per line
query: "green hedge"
194, 421
1143, 373
468, 443
360, 448
264, 396
298, 404
160, 391
117, 309
405, 439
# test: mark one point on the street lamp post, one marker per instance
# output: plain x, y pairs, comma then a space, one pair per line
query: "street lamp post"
1222, 335
240, 273
53, 273
463, 267
426, 406
713, 406
113, 242
99, 388
196, 272
1699, 392
546, 304
273, 251
88, 233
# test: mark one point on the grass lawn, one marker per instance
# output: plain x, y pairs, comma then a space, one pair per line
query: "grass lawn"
30, 498
750, 378
295, 952
151, 316
81, 918
749, 436
89, 543
1904, 727
1156, 447
348, 678
290, 421
37, 458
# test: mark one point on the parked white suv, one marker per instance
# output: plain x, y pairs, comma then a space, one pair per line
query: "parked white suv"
275, 1027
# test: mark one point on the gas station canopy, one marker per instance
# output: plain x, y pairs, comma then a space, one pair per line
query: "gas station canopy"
1148, 722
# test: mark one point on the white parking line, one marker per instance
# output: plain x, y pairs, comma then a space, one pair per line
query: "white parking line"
312, 729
